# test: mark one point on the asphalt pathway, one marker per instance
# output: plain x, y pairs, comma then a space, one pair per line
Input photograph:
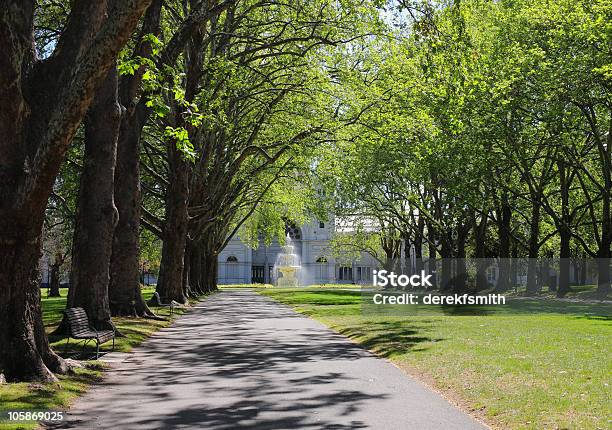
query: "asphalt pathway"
242, 361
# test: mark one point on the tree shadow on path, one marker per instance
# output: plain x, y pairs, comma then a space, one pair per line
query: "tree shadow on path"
236, 361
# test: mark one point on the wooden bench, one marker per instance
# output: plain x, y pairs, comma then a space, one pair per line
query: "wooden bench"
80, 329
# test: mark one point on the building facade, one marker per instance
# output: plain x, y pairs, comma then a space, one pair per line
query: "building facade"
240, 264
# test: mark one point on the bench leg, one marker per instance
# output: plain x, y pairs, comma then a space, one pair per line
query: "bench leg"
97, 348
113, 343
66, 346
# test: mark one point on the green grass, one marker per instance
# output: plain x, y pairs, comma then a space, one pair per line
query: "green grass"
320, 286
582, 292
135, 330
254, 286
58, 396
47, 397
532, 364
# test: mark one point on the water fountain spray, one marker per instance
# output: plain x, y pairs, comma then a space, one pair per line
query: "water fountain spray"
287, 267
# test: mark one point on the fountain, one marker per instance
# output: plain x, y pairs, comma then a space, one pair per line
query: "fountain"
287, 267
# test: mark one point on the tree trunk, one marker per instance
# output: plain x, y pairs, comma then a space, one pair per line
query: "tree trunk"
54, 286
514, 267
170, 283
504, 214
534, 248
408, 269
545, 273
208, 271
43, 104
211, 284
418, 245
187, 272
392, 249
173, 273
603, 277
605, 253
446, 253
461, 269
96, 213
565, 232
124, 290
195, 268
564, 262
25, 354
431, 262
480, 237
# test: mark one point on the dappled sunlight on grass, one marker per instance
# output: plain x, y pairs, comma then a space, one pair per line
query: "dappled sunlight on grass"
308, 287
134, 330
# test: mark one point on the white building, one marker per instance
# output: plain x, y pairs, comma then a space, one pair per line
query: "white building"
240, 264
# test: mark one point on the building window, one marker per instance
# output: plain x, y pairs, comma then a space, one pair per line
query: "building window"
321, 224
321, 268
345, 273
257, 274
491, 275
364, 273
232, 267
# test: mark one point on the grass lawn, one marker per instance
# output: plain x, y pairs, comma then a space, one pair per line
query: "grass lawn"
254, 286
582, 292
54, 397
320, 286
532, 364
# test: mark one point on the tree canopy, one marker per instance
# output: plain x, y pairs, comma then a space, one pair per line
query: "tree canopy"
150, 131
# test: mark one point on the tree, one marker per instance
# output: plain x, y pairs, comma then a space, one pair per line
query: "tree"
258, 76
140, 104
96, 213
480, 128
45, 100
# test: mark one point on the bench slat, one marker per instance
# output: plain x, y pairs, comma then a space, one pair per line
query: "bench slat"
80, 328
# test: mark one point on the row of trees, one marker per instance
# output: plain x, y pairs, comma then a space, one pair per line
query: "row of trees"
45, 98
134, 119
484, 129
473, 127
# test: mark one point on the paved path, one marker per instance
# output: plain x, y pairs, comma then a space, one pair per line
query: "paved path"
242, 361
